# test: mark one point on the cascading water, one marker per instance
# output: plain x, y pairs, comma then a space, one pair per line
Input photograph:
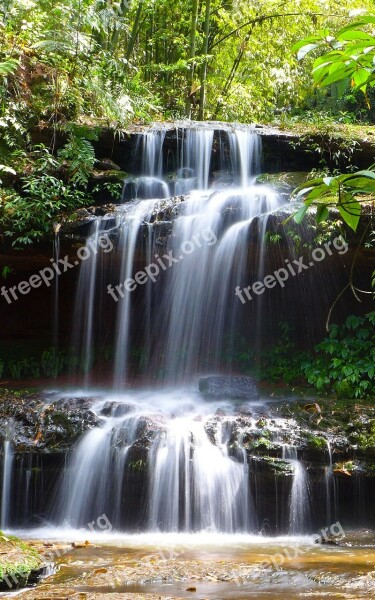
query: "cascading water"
130, 229
7, 476
195, 476
188, 310
299, 502
194, 484
196, 311
330, 485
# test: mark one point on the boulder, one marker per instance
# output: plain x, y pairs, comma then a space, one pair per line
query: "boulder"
230, 388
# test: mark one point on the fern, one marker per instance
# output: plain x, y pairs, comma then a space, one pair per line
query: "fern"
79, 155
9, 66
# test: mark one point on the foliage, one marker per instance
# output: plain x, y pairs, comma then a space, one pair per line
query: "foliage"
281, 361
51, 186
113, 62
345, 362
79, 157
29, 217
349, 54
345, 191
75, 66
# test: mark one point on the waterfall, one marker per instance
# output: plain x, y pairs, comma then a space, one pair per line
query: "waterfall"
245, 154
83, 319
152, 152
197, 310
94, 476
330, 488
299, 501
129, 233
197, 153
195, 480
189, 309
194, 484
6, 487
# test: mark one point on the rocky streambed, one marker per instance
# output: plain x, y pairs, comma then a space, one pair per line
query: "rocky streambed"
211, 569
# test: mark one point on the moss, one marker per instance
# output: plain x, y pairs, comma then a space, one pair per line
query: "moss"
262, 443
279, 466
346, 467
316, 442
363, 435
18, 560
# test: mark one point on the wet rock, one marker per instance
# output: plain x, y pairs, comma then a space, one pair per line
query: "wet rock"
244, 411
45, 428
137, 457
102, 211
149, 427
211, 429
75, 404
233, 388
146, 430
110, 175
116, 409
106, 164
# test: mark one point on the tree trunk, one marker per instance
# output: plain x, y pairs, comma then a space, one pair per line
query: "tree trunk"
134, 32
204, 66
193, 36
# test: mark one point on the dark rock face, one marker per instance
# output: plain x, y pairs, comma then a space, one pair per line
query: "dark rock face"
40, 427
236, 388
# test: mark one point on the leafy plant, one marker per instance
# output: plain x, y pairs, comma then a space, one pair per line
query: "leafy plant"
16, 368
281, 361
27, 218
346, 192
349, 54
345, 362
53, 362
79, 157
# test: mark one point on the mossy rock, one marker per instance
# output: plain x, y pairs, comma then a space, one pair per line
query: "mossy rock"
111, 176
19, 563
262, 444
279, 466
316, 442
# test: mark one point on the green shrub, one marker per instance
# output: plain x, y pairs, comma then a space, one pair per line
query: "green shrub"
281, 361
345, 362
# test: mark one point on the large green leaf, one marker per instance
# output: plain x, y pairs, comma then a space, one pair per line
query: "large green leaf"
322, 213
350, 211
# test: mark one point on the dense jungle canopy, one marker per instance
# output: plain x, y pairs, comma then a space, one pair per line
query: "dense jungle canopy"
115, 62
